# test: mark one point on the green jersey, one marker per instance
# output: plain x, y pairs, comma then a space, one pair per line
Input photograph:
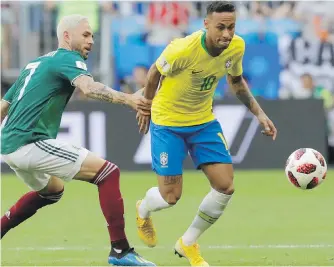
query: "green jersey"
38, 98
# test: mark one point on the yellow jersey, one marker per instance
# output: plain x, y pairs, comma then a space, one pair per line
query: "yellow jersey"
190, 77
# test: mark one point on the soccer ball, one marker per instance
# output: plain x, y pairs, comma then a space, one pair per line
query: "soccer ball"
306, 168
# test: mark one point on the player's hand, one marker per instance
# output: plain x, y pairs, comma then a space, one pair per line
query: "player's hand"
268, 126
143, 122
140, 104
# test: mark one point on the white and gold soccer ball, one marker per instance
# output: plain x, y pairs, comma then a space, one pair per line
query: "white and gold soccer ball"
306, 168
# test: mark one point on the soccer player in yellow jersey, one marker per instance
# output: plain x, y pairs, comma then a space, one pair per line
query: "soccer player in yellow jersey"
182, 121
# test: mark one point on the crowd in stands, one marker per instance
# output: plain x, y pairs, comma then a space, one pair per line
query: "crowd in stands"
164, 21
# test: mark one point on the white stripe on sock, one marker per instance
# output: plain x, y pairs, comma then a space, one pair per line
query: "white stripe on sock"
102, 178
106, 169
99, 179
109, 170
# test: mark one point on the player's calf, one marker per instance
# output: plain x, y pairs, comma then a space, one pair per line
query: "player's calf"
106, 176
26, 207
211, 208
214, 203
111, 202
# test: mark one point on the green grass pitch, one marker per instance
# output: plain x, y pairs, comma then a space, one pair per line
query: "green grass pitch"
268, 222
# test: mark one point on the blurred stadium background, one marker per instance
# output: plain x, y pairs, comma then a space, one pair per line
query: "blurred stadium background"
289, 66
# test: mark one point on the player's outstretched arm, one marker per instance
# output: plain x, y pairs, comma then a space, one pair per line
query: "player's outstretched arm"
102, 92
4, 109
240, 87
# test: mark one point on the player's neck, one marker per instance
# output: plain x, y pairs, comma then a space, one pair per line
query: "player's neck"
213, 51
64, 46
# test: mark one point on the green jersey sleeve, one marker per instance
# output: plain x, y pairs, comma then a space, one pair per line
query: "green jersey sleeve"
72, 66
8, 97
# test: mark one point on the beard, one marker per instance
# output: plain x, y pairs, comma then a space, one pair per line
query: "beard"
76, 47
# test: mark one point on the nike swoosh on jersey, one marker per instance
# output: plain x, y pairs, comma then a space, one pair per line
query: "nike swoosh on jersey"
194, 72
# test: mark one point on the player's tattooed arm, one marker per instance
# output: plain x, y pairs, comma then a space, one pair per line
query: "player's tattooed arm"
102, 92
98, 90
240, 88
4, 109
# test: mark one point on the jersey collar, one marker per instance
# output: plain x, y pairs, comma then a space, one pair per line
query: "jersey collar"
203, 42
204, 46
63, 49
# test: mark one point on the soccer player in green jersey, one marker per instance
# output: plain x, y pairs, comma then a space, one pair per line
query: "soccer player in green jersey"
34, 106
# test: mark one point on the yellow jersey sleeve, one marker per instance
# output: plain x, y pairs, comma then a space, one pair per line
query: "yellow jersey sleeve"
173, 59
236, 69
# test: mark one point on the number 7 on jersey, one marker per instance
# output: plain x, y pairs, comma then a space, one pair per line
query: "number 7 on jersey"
32, 67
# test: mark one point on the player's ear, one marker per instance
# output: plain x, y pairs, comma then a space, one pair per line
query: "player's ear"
66, 36
206, 23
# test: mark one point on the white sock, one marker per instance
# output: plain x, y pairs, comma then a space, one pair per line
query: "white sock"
209, 211
153, 201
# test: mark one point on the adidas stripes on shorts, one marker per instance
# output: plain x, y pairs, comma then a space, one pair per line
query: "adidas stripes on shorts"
35, 163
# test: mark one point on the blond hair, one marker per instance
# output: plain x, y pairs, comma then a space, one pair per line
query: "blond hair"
67, 23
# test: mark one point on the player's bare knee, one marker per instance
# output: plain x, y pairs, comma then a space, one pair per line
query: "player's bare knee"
224, 186
91, 167
171, 198
229, 190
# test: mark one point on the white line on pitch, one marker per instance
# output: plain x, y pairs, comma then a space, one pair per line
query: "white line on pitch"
218, 247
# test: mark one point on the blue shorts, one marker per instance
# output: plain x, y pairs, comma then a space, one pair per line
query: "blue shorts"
170, 146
